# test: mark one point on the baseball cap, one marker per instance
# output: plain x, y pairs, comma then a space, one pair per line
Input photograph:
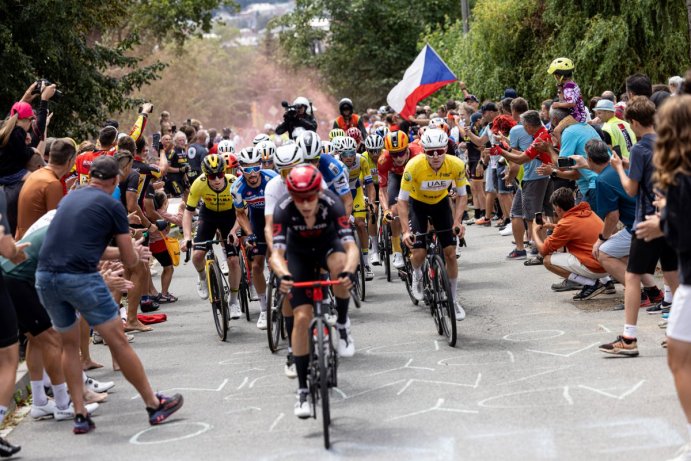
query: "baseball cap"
510, 93
105, 167
490, 106
475, 117
605, 104
22, 109
471, 97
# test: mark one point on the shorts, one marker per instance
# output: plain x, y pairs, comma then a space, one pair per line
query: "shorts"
63, 295
207, 228
517, 205
393, 187
572, 264
258, 222
32, 317
359, 207
472, 169
536, 196
618, 245
490, 186
8, 317
644, 256
441, 216
679, 323
499, 183
305, 266
175, 184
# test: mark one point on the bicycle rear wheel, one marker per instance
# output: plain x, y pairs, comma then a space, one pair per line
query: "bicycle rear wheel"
274, 321
324, 376
406, 275
385, 250
219, 305
362, 278
445, 307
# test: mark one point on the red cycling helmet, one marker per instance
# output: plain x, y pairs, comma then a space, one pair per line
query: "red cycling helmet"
304, 179
231, 161
355, 133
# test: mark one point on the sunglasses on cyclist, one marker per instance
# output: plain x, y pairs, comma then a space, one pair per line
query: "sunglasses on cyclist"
348, 153
216, 175
435, 152
374, 152
303, 198
403, 153
267, 162
250, 169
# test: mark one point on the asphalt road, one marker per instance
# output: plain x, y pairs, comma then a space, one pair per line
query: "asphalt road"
525, 382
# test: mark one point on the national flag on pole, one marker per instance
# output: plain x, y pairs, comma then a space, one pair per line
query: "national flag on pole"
426, 75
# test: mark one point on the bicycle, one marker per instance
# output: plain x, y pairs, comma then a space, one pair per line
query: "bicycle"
245, 278
217, 285
385, 248
406, 274
275, 323
359, 284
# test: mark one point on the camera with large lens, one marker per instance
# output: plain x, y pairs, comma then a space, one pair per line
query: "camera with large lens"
41, 84
291, 111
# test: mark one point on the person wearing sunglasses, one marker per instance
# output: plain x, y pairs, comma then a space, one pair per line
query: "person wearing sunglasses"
374, 144
390, 168
359, 177
248, 200
424, 198
266, 150
311, 232
216, 214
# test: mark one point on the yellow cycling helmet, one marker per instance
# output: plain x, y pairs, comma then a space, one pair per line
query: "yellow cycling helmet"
561, 66
213, 164
336, 132
396, 141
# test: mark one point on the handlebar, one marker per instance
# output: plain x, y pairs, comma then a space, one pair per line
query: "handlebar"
316, 284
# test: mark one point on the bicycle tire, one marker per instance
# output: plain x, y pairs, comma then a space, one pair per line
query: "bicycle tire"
218, 305
363, 281
429, 276
243, 292
385, 245
274, 320
445, 307
323, 382
407, 276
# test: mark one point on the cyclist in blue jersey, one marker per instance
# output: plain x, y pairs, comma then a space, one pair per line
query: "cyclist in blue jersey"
248, 193
334, 173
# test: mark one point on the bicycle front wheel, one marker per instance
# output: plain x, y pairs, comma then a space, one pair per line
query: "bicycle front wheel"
445, 307
385, 250
362, 278
324, 376
219, 305
274, 321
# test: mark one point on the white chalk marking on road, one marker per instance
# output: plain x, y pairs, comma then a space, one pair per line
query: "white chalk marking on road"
541, 392
407, 365
372, 390
343, 394
397, 351
244, 381
436, 345
436, 407
241, 410
564, 355
276, 421
549, 334
536, 375
567, 396
249, 369
199, 389
203, 427
511, 357
411, 381
607, 330
618, 397
254, 381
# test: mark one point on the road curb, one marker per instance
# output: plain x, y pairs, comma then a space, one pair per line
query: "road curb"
21, 386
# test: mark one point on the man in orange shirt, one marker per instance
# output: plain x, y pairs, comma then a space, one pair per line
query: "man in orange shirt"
577, 230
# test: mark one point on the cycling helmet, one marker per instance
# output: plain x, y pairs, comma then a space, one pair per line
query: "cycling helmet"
374, 142
336, 143
248, 156
310, 144
304, 179
561, 66
346, 144
231, 161
265, 150
345, 103
336, 132
396, 141
355, 133
434, 138
213, 164
259, 138
297, 132
382, 131
225, 146
287, 156
301, 101
327, 148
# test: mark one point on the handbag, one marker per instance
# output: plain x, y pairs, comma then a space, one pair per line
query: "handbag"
173, 247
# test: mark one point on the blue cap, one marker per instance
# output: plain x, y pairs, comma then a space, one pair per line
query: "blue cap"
604, 104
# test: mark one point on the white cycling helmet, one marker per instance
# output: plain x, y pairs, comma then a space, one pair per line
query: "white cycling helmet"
346, 143
266, 151
301, 101
226, 146
259, 138
434, 138
287, 156
248, 156
297, 132
327, 148
336, 143
374, 142
310, 144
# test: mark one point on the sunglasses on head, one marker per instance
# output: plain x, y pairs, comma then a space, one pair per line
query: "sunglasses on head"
216, 175
302, 198
435, 152
250, 169
402, 153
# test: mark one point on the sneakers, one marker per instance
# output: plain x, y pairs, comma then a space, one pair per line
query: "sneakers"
589, 291
149, 306
374, 258
346, 346
621, 346
236, 312
167, 407
68, 413
254, 296
83, 424
7, 449
289, 368
483, 222
566, 285
261, 322
369, 275
416, 287
657, 297
303, 407
398, 262
202, 289
517, 254
43, 411
505, 232
98, 386
658, 308
609, 288
460, 312
683, 454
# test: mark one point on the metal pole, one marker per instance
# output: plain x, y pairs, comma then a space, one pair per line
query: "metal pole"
464, 14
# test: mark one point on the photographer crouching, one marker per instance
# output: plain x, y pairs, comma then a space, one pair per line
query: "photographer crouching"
297, 116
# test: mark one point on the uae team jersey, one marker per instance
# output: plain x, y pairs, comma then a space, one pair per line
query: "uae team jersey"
429, 186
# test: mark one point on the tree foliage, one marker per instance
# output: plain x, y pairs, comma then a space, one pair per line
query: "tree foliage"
91, 50
512, 42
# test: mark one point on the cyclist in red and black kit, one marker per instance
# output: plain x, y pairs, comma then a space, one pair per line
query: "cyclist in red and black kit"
312, 231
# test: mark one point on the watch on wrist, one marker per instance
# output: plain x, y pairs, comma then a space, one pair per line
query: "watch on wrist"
553, 174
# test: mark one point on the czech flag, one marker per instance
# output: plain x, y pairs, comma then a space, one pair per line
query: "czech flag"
427, 74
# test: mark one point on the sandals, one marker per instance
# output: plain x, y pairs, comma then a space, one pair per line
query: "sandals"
536, 261
164, 298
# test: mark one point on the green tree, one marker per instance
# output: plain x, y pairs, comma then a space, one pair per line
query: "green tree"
90, 49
